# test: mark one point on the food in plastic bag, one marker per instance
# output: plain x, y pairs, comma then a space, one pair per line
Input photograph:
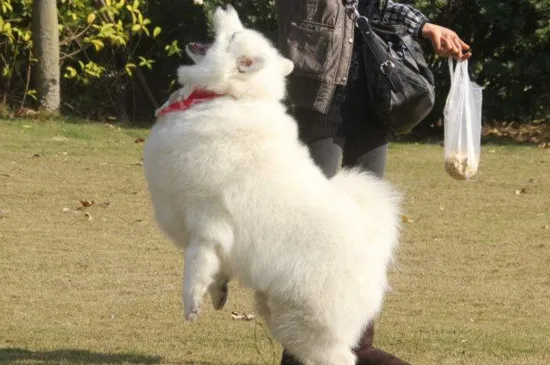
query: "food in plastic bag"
457, 166
462, 123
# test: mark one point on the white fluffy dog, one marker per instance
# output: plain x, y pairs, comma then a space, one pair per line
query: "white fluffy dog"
232, 185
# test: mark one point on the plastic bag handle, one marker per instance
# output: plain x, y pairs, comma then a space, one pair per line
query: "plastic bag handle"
451, 71
455, 71
463, 65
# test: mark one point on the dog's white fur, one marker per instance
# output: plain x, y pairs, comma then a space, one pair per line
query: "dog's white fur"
232, 185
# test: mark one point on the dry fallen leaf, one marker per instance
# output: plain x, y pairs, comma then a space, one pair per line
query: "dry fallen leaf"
534, 133
139, 140
521, 191
86, 203
405, 219
242, 317
59, 139
25, 112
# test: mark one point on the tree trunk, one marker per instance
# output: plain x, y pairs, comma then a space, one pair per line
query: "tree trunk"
45, 37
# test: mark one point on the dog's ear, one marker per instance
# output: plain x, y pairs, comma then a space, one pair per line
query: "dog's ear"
195, 57
288, 66
233, 17
226, 21
246, 64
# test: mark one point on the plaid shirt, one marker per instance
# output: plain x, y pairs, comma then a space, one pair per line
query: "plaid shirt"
405, 14
397, 13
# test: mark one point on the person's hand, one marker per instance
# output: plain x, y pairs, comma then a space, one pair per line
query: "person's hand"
446, 42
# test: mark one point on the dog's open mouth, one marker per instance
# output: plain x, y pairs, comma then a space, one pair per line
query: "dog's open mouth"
198, 49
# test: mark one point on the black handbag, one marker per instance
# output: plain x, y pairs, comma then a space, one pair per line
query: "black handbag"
399, 81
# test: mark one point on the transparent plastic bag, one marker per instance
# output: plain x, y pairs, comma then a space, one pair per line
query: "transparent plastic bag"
462, 123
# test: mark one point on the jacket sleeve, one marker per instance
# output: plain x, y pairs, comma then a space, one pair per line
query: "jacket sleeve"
412, 18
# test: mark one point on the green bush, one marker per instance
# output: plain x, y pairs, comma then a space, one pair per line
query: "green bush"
119, 57
510, 58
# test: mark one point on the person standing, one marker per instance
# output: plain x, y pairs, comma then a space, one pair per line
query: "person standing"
329, 97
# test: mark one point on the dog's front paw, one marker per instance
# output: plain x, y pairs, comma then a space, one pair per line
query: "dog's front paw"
191, 313
192, 307
192, 316
219, 293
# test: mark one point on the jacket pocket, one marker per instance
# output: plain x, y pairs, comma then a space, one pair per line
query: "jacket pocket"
309, 46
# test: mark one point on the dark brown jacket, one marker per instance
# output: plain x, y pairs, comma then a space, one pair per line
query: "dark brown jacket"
317, 35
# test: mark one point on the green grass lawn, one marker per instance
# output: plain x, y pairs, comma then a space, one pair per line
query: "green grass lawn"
101, 285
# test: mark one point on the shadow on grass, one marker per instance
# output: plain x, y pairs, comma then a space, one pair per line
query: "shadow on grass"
71, 356
214, 363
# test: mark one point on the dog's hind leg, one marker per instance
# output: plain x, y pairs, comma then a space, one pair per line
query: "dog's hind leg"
201, 268
310, 341
218, 291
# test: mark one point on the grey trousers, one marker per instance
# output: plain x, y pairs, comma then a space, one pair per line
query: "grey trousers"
332, 153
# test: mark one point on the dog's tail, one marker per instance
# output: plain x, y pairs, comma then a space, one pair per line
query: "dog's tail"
380, 203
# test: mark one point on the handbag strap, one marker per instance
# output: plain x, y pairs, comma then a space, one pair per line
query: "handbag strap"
383, 8
381, 58
353, 6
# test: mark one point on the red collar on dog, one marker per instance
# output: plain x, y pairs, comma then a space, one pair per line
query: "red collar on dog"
196, 97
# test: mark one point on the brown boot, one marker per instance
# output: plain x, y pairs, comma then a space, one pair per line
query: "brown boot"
369, 355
